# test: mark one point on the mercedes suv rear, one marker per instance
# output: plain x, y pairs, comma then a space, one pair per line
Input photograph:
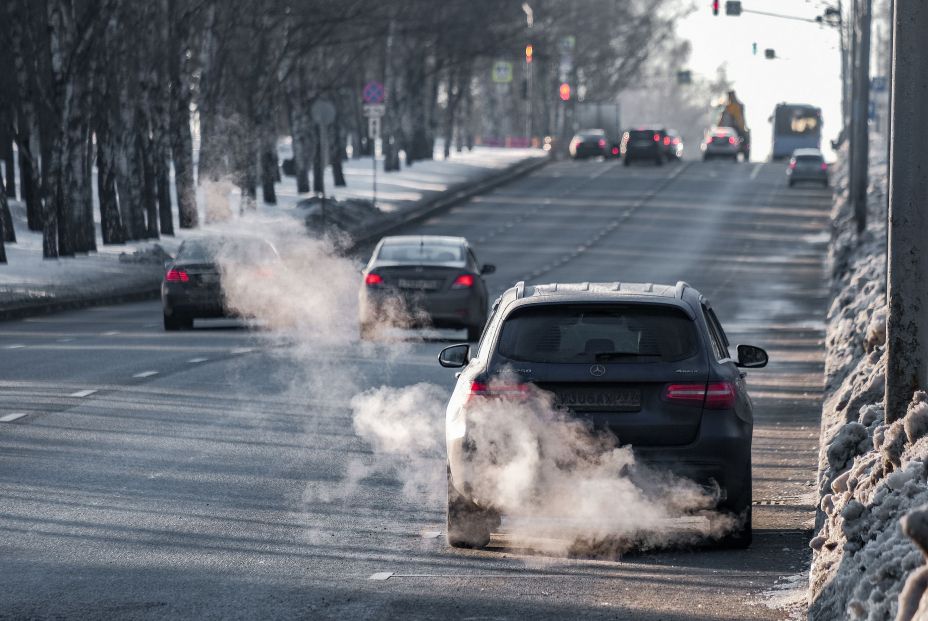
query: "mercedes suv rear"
649, 364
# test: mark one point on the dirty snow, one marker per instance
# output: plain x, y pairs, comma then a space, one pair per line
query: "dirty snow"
871, 475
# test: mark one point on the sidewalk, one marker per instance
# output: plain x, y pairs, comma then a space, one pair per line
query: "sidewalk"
31, 285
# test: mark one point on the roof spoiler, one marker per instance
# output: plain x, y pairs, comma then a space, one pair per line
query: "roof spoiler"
680, 288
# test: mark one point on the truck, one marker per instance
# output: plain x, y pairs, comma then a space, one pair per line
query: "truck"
605, 116
731, 114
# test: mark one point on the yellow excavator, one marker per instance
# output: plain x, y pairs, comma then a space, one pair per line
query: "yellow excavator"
731, 114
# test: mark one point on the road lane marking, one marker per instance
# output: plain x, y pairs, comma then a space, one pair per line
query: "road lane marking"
9, 418
17, 346
65, 340
242, 350
197, 360
381, 575
756, 171
111, 333
145, 374
83, 393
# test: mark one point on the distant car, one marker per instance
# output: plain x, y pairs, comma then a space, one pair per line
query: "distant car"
807, 165
721, 142
424, 280
673, 145
647, 363
644, 143
192, 284
588, 143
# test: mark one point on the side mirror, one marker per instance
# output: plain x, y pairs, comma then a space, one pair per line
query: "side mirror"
488, 268
750, 357
454, 356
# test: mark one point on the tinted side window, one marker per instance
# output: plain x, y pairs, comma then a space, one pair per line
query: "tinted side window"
716, 334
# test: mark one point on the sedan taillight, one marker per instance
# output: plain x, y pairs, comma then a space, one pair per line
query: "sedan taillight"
176, 275
372, 280
464, 281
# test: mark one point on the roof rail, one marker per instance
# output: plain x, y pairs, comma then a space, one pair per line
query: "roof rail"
520, 289
680, 288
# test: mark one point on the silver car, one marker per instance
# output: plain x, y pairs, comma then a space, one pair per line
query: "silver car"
424, 280
807, 165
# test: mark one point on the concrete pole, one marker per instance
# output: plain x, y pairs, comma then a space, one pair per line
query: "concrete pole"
861, 112
852, 111
907, 273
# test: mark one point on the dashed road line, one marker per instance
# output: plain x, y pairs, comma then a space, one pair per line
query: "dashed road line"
65, 340
110, 333
9, 418
17, 346
83, 393
242, 350
756, 171
381, 575
145, 374
197, 360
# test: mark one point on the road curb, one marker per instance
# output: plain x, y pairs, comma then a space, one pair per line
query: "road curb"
29, 309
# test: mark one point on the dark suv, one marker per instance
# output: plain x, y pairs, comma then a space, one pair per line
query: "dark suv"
648, 363
644, 143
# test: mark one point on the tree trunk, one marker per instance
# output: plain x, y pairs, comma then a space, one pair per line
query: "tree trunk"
6, 154
7, 233
269, 169
89, 229
163, 187
338, 154
4, 208
149, 186
318, 170
29, 188
111, 226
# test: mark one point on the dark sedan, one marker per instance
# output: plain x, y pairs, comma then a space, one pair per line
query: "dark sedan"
419, 281
588, 143
192, 285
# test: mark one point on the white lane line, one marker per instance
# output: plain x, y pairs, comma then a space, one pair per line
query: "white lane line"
145, 374
242, 350
756, 171
9, 418
65, 340
381, 575
83, 393
17, 346
197, 360
111, 333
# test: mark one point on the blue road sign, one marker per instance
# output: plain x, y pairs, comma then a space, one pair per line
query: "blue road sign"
373, 93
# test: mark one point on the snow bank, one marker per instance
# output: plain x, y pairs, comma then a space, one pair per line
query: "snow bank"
872, 528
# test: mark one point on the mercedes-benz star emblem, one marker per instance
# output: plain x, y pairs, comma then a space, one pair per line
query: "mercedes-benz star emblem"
597, 370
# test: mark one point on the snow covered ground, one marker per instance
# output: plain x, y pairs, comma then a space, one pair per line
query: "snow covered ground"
871, 474
115, 271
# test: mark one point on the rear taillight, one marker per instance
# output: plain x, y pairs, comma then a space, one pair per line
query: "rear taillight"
602, 143
666, 140
708, 139
176, 275
464, 281
676, 141
615, 150
731, 140
792, 165
824, 166
714, 396
372, 280
657, 138
507, 391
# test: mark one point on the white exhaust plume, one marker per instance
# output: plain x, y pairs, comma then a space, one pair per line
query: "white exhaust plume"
561, 486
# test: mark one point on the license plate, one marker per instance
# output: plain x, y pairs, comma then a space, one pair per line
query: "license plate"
600, 400
427, 285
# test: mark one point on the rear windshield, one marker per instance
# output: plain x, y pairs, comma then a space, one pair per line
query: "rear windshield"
242, 250
421, 253
587, 334
642, 134
809, 159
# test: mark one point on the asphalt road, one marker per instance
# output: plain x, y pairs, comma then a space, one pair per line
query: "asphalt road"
216, 473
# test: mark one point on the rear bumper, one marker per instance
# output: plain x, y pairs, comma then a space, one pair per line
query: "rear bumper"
818, 176
447, 309
723, 150
719, 458
194, 304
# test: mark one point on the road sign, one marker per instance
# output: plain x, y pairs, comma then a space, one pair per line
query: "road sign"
375, 110
323, 112
373, 93
502, 72
733, 7
878, 83
373, 127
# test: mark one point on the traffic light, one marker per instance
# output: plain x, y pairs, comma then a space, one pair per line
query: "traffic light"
754, 48
770, 54
564, 91
733, 7
529, 51
715, 7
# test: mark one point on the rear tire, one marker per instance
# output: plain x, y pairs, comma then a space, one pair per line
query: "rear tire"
791, 183
469, 526
740, 509
177, 322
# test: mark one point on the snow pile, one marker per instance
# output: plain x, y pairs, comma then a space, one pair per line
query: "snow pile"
871, 475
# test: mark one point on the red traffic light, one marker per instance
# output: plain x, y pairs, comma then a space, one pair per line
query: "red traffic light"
529, 51
715, 7
564, 91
